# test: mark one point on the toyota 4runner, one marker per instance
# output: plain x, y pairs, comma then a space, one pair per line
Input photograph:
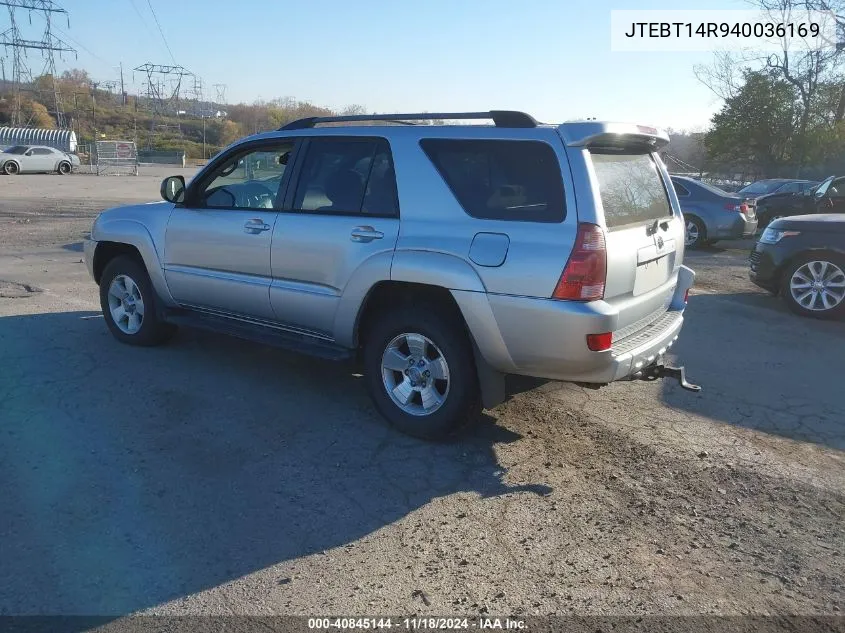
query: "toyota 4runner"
443, 256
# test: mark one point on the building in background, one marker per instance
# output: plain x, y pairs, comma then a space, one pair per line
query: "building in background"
64, 140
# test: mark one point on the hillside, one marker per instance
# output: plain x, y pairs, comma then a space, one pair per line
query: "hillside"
94, 113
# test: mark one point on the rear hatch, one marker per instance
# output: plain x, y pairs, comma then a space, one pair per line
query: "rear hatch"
645, 239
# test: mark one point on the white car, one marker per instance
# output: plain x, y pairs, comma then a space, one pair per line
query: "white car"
33, 159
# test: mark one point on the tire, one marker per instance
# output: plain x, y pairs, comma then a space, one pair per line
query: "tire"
447, 352
64, 168
695, 235
11, 168
126, 276
827, 269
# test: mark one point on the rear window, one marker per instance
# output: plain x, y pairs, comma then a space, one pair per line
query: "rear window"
631, 188
501, 180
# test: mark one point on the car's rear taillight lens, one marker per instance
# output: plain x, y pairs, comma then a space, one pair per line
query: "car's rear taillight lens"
686, 296
600, 342
733, 207
585, 274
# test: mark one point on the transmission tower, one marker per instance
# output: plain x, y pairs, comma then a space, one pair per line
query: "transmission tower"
162, 90
48, 45
220, 94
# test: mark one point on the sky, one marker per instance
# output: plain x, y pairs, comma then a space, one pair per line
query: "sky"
550, 58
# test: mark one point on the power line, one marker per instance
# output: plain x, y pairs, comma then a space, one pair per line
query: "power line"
163, 39
141, 17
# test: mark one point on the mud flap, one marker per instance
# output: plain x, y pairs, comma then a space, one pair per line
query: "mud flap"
490, 381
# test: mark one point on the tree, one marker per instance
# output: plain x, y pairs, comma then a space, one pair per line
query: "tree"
755, 127
37, 115
810, 70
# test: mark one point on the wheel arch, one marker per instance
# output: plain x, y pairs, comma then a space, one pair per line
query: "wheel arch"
122, 236
787, 263
389, 293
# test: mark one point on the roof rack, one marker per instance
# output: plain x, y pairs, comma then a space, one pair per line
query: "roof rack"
502, 118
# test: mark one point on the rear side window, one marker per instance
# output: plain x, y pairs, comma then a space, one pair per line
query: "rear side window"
680, 189
631, 188
347, 176
501, 180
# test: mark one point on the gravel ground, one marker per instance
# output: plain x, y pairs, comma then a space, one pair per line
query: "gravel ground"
214, 476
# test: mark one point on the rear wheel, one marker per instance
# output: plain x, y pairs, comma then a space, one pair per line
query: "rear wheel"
129, 304
814, 285
64, 168
696, 235
11, 168
420, 373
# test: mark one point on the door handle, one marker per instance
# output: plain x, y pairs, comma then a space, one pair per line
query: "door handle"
255, 226
365, 234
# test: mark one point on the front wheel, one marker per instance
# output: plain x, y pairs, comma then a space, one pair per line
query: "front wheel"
814, 285
420, 373
129, 304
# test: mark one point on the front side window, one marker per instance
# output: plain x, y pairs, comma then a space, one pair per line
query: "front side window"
249, 180
631, 188
347, 176
837, 189
501, 180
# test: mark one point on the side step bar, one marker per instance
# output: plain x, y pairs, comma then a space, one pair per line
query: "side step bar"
258, 333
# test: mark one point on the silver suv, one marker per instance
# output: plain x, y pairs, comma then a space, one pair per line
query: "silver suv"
442, 256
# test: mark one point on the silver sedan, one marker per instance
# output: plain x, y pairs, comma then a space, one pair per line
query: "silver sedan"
33, 159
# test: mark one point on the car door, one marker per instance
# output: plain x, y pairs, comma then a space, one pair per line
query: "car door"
32, 161
834, 198
341, 215
217, 245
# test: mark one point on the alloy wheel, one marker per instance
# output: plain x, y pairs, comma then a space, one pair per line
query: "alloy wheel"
818, 286
692, 233
415, 374
126, 304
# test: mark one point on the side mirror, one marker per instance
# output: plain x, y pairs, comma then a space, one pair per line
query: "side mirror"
173, 189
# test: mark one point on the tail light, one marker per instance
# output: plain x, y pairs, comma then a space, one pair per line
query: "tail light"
585, 274
600, 342
686, 296
733, 207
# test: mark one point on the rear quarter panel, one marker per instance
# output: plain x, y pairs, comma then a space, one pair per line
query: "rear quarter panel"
433, 221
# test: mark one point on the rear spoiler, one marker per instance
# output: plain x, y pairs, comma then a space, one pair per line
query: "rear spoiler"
604, 135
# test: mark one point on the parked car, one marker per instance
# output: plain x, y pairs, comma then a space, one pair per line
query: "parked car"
773, 185
770, 202
711, 214
802, 258
32, 159
827, 197
444, 256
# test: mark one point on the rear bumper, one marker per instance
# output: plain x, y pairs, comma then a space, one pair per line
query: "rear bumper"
545, 338
733, 228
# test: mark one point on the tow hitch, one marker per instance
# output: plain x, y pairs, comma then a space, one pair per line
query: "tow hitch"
659, 370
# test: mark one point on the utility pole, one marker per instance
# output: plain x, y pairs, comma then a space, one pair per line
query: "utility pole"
94, 85
122, 88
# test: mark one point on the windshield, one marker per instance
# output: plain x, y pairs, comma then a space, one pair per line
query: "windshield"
761, 187
631, 188
15, 149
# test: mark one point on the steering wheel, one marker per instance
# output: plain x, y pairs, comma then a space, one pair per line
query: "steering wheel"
255, 196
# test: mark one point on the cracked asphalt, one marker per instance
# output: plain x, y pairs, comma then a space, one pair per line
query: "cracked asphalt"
214, 476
